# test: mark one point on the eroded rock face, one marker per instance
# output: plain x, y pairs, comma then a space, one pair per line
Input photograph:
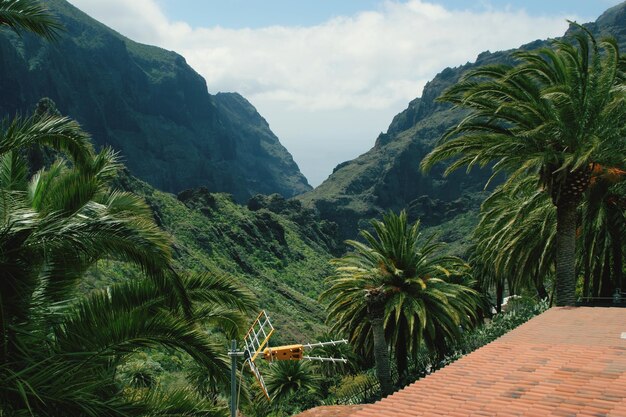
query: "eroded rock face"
150, 105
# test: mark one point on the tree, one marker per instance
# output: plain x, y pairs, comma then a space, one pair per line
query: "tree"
556, 114
601, 233
286, 378
514, 240
28, 15
392, 291
517, 230
59, 349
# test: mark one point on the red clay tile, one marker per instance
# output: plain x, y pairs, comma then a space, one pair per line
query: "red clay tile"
565, 362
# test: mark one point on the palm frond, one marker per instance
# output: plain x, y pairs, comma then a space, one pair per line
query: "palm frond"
31, 16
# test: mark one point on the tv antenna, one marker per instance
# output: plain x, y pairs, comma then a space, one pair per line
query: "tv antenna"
256, 345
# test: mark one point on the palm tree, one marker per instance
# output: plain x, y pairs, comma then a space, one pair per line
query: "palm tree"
28, 15
392, 290
603, 226
516, 235
556, 114
286, 378
59, 350
64, 346
515, 239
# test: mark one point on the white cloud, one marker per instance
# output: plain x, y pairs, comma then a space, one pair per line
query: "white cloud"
371, 61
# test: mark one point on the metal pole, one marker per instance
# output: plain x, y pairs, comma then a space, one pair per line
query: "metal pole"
332, 342
233, 378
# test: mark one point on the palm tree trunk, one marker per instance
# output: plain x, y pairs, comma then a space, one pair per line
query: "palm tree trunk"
499, 295
381, 352
616, 245
401, 355
566, 253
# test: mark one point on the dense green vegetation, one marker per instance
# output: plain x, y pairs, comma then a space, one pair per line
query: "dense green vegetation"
61, 348
94, 306
276, 248
118, 299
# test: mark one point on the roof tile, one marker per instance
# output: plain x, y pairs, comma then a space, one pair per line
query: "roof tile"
569, 361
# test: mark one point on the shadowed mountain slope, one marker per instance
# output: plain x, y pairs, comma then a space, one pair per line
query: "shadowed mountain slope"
149, 104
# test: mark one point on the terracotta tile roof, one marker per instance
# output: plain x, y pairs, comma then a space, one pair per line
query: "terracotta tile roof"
565, 362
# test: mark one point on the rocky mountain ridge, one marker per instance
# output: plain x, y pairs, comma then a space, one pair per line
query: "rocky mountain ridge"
149, 104
387, 177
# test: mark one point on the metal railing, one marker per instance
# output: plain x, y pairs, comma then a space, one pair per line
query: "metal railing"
618, 299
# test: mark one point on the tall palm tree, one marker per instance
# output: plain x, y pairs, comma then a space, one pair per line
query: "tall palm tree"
392, 291
28, 15
555, 114
602, 228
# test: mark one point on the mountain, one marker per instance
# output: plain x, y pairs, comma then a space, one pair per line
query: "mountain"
387, 177
149, 104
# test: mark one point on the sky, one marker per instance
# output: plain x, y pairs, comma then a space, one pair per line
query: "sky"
329, 75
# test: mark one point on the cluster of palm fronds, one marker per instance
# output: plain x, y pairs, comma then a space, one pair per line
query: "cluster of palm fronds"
551, 123
515, 239
60, 349
397, 291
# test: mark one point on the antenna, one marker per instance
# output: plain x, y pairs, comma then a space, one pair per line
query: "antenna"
255, 342
258, 335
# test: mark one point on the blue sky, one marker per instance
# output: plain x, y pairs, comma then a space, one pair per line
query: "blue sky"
260, 13
329, 75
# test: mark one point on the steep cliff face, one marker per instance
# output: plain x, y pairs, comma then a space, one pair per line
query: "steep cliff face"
387, 177
150, 105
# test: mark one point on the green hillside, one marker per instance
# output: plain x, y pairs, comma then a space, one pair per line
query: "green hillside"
276, 248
